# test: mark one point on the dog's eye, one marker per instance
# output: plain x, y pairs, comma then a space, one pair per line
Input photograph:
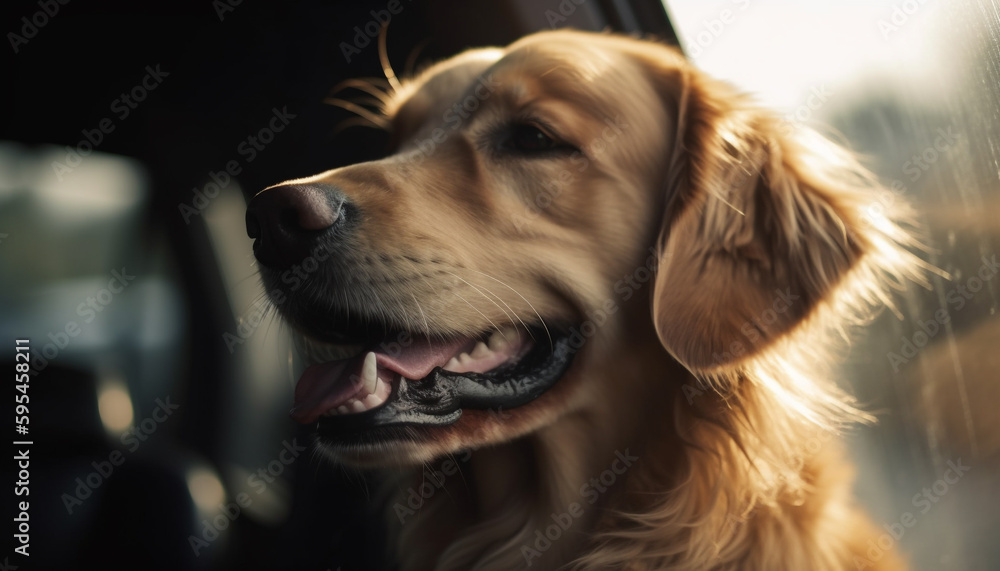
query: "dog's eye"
526, 138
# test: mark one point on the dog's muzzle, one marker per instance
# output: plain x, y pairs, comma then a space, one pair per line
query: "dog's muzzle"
354, 387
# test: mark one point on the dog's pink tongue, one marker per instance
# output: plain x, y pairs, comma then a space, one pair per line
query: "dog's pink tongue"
419, 357
328, 385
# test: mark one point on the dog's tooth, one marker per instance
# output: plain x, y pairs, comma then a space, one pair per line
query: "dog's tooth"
451, 365
382, 390
480, 351
356, 405
371, 401
369, 373
497, 342
342, 409
503, 338
464, 358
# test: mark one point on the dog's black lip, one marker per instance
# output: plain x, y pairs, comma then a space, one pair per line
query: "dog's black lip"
438, 399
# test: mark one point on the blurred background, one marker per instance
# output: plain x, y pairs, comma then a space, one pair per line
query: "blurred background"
159, 388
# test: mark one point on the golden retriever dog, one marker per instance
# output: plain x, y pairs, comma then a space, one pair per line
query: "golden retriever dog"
591, 298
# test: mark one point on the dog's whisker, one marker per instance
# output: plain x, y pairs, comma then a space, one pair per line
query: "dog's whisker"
506, 305
272, 317
430, 287
258, 299
459, 296
480, 292
411, 59
254, 274
379, 120
259, 303
365, 86
423, 316
383, 57
373, 102
355, 122
540, 318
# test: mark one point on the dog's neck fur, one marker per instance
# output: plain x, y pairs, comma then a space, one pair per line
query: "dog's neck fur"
672, 507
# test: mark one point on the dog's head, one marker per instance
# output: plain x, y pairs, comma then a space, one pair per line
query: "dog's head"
464, 290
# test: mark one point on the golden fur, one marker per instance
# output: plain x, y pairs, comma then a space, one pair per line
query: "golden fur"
713, 373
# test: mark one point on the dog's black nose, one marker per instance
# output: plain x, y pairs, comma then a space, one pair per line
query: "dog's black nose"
286, 222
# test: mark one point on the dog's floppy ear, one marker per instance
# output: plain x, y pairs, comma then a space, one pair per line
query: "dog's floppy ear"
763, 221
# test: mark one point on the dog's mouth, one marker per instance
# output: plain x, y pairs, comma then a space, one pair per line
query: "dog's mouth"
406, 379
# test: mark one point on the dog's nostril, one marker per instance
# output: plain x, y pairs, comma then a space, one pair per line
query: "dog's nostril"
253, 226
